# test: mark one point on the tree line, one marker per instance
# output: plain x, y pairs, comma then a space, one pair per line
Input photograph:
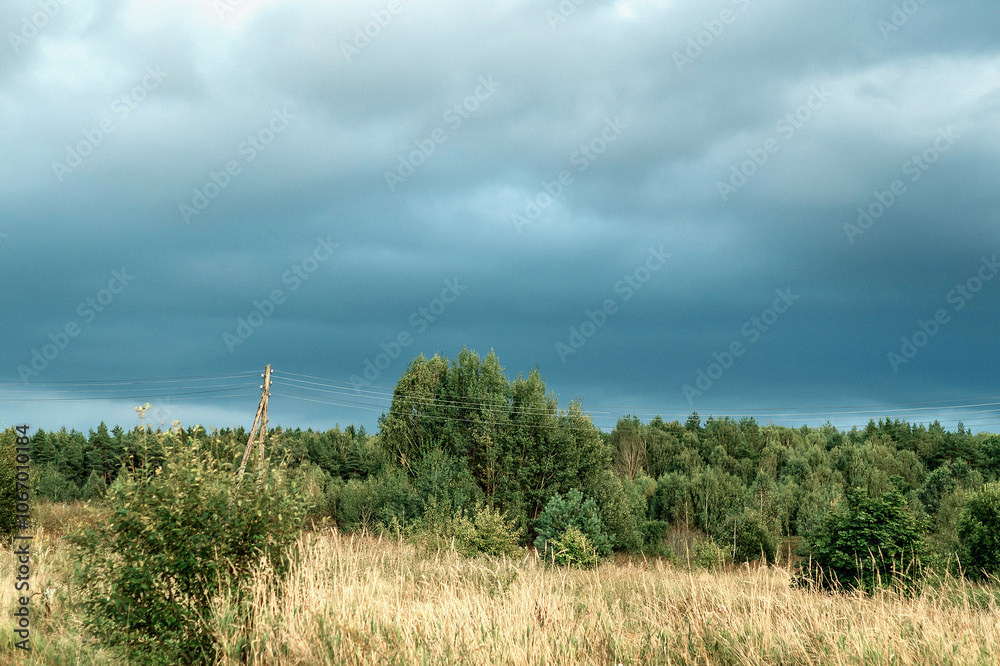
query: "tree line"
461, 436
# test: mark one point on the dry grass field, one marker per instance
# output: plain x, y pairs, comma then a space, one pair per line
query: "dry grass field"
362, 600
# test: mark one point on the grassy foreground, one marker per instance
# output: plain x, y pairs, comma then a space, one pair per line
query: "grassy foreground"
359, 600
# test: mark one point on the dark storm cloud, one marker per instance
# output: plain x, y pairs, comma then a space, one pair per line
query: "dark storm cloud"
531, 156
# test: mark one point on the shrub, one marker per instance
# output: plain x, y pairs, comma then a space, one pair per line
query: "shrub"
753, 539
180, 535
386, 499
331, 498
873, 542
979, 532
8, 484
652, 538
494, 535
356, 508
572, 511
573, 548
622, 505
709, 554
53, 485
441, 527
95, 488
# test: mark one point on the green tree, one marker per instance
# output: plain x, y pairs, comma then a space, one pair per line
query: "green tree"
872, 542
572, 511
94, 488
979, 532
518, 447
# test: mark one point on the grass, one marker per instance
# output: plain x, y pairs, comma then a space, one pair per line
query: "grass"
361, 600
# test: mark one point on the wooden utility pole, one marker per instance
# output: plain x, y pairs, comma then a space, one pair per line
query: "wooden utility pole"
259, 419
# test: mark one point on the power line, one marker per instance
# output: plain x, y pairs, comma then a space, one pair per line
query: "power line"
905, 410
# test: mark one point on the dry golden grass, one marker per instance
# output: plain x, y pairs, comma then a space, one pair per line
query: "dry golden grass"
364, 601
56, 632
359, 600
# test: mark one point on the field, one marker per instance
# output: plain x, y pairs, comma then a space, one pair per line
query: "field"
363, 600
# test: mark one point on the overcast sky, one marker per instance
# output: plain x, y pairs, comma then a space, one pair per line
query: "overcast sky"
775, 209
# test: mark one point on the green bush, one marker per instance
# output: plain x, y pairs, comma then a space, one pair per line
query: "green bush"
573, 548
95, 488
709, 554
572, 511
53, 485
379, 501
180, 535
442, 527
331, 498
652, 538
495, 535
622, 505
754, 540
8, 484
356, 508
873, 542
979, 532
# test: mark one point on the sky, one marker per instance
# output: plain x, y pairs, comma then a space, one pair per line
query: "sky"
775, 209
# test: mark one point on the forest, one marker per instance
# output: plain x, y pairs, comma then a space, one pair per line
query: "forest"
460, 435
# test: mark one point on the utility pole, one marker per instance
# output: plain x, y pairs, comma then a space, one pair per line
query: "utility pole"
259, 419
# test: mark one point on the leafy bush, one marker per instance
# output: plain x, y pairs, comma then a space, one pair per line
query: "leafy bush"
652, 538
873, 542
95, 488
180, 535
622, 505
331, 498
442, 527
573, 548
709, 554
53, 485
572, 511
495, 535
8, 483
753, 539
979, 532
378, 502
356, 508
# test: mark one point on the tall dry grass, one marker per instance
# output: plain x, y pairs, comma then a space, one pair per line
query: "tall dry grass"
360, 600
356, 600
57, 635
